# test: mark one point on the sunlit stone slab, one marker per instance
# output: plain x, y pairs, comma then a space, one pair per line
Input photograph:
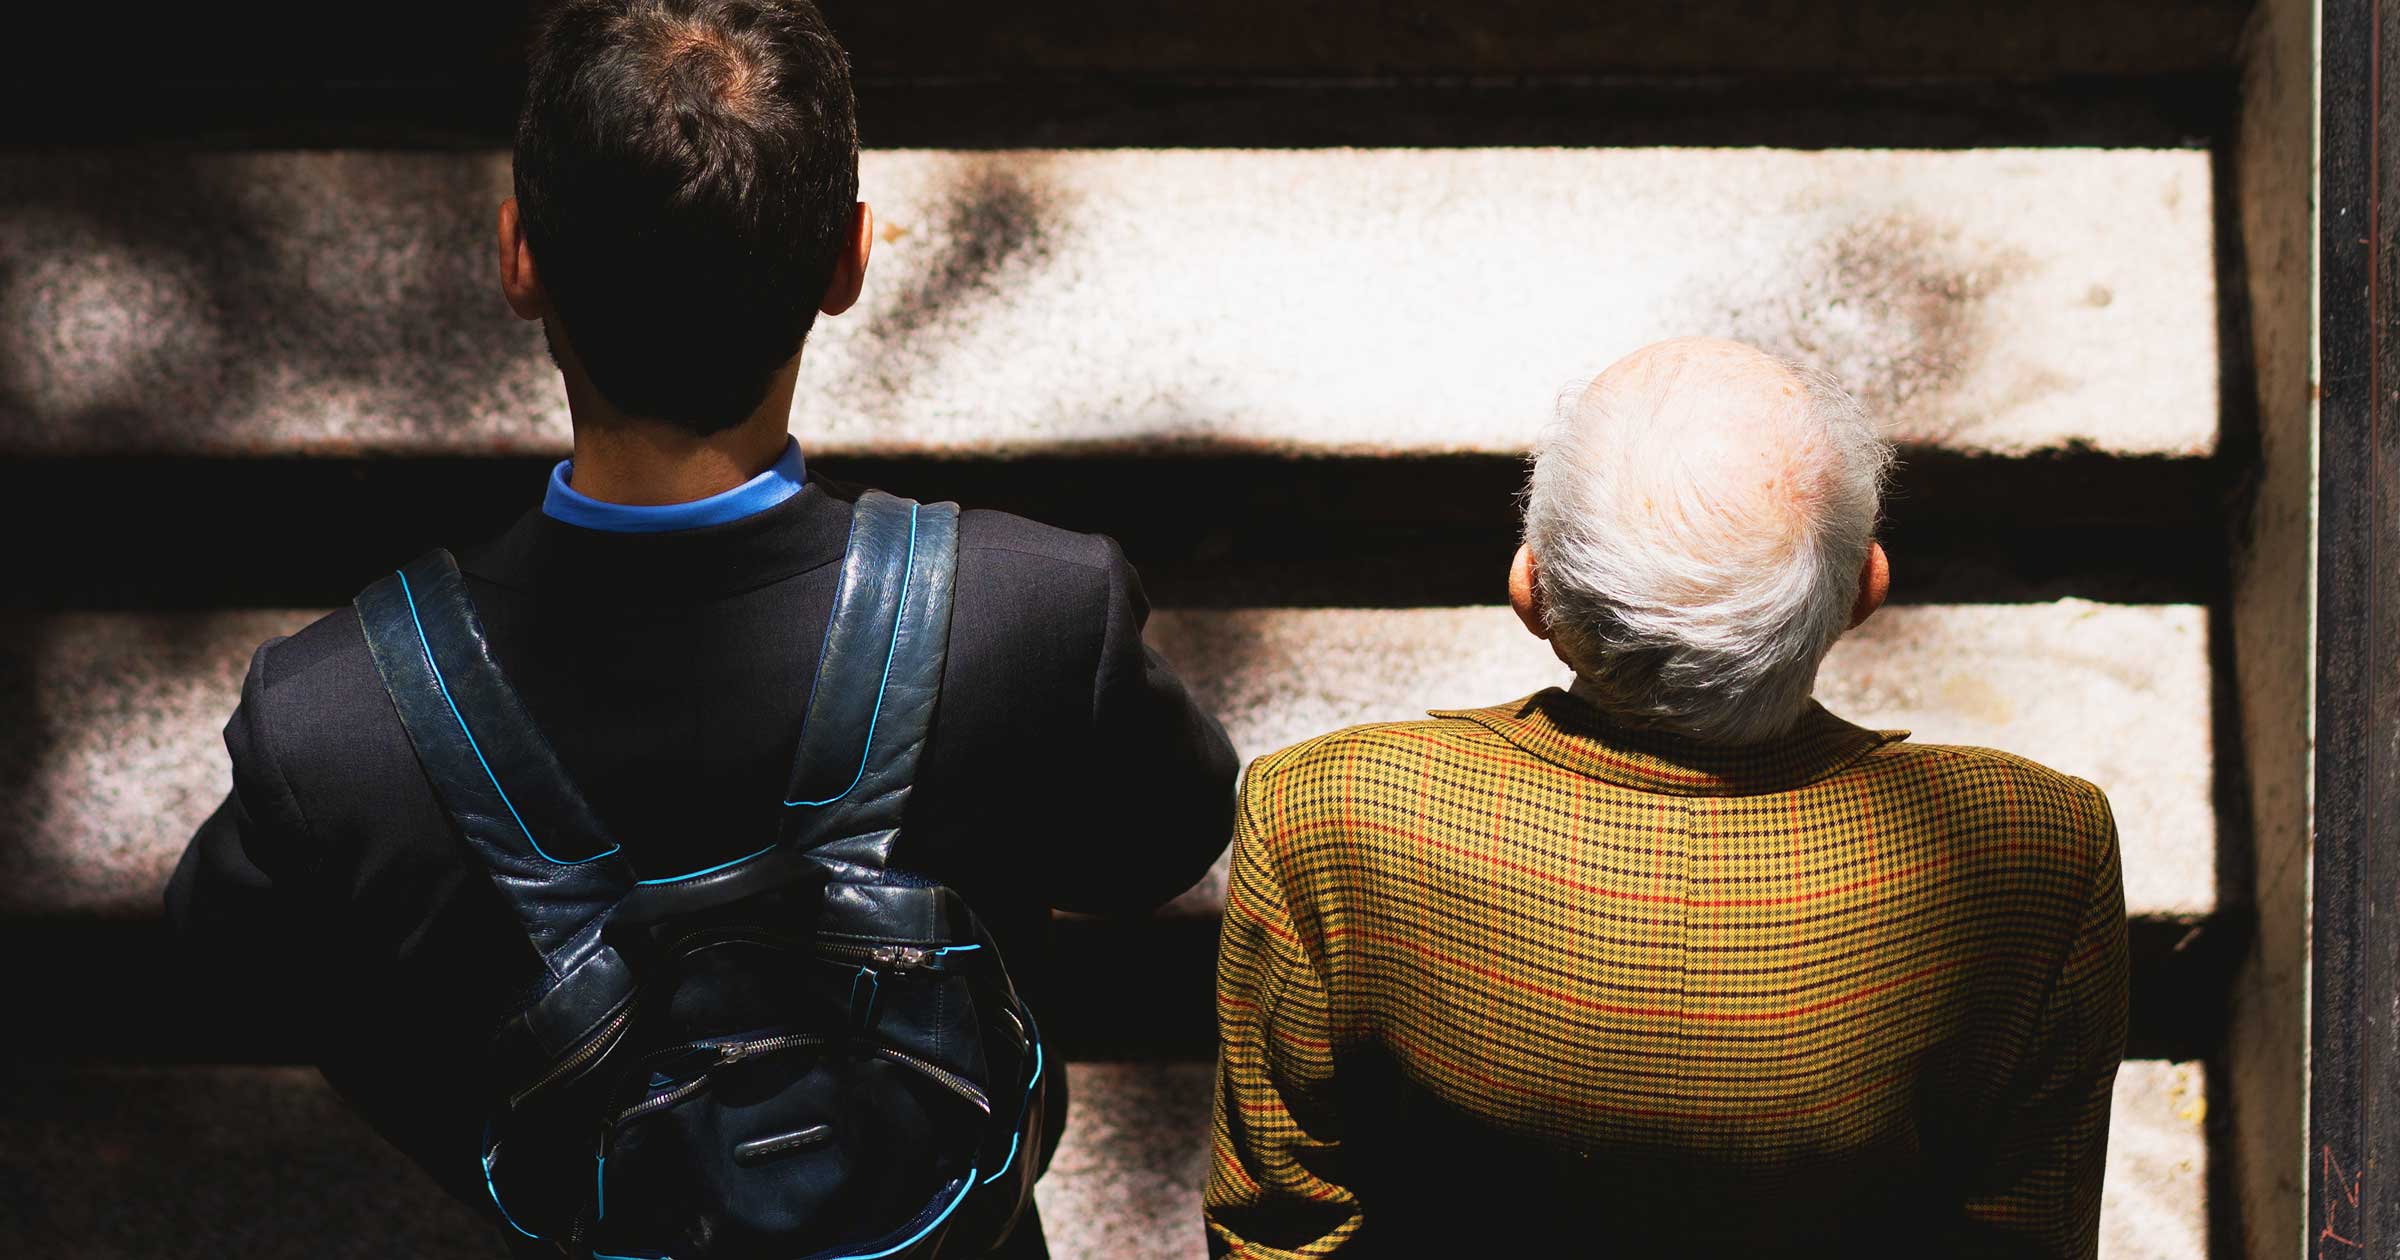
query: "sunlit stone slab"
1299, 301
115, 755
266, 1163
2155, 1204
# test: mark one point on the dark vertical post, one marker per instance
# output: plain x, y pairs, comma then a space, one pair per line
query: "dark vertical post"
2354, 1094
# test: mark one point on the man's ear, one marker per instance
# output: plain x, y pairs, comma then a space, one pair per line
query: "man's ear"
1525, 593
1874, 582
850, 268
519, 282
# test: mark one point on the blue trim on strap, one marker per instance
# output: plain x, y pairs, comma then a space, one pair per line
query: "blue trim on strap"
494, 1191
907, 579
436, 667
1014, 1139
1024, 1109
709, 870
781, 480
966, 1187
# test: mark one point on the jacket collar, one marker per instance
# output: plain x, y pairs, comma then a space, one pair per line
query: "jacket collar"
1564, 730
575, 564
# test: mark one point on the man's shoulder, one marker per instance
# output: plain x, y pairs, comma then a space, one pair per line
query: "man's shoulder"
1969, 764
1974, 783
1007, 538
314, 717
328, 654
1328, 764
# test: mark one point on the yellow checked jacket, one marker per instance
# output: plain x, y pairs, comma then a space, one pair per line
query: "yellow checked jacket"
1516, 981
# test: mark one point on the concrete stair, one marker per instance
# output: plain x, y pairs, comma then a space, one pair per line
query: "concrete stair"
1295, 380
1370, 302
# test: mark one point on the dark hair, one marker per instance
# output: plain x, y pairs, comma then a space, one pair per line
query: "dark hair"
685, 172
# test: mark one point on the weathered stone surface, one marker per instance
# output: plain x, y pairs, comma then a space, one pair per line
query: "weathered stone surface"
2154, 1206
111, 755
1126, 1180
116, 757
266, 1163
1327, 300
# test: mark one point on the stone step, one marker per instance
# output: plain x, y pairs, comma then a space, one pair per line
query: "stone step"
274, 74
474, 42
165, 1163
117, 758
1376, 302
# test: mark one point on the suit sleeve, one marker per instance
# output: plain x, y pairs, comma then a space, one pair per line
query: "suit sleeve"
234, 902
2040, 1194
1275, 1180
1158, 795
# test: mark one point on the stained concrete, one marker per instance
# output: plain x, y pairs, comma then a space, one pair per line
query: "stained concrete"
116, 1163
116, 757
1377, 301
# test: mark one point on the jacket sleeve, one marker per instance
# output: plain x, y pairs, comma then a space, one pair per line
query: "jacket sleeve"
232, 902
2040, 1193
1275, 1179
1158, 797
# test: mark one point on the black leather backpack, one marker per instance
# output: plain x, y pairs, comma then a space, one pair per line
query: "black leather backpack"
802, 1053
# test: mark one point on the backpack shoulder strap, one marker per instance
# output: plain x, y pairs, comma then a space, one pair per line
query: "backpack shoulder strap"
490, 765
878, 677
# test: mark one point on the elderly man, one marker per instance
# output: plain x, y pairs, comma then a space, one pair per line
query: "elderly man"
1674, 962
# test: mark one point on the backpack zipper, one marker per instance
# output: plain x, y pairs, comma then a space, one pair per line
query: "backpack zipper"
728, 1055
895, 958
582, 1058
956, 1084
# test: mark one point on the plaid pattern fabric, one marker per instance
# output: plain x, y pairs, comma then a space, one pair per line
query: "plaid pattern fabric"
1808, 972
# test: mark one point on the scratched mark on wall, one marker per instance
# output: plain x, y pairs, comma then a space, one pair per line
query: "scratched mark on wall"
2341, 1219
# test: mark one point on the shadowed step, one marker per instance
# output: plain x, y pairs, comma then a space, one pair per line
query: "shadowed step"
190, 1157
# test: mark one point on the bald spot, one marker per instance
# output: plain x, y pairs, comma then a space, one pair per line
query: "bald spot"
1723, 441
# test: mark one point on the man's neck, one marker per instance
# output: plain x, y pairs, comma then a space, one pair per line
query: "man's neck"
640, 462
646, 464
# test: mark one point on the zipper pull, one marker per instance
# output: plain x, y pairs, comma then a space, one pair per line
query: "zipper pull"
899, 958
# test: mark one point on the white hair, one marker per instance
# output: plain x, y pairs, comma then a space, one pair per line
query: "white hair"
1697, 550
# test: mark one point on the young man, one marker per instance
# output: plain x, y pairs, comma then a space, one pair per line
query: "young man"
1675, 962
686, 179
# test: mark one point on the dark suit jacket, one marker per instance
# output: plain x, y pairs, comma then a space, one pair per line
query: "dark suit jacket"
1067, 768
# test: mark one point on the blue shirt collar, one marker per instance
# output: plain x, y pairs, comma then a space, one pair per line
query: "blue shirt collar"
777, 483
